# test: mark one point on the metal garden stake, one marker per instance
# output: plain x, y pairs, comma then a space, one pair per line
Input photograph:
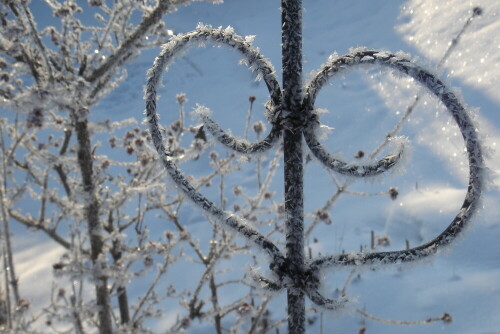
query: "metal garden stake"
291, 112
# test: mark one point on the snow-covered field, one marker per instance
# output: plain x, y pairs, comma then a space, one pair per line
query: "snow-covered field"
363, 106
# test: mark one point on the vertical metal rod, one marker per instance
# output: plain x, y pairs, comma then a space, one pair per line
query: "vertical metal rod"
291, 19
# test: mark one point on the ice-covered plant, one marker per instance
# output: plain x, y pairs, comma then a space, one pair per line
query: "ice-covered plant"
78, 195
293, 117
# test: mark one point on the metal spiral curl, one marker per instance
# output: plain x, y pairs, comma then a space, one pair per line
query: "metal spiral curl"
467, 129
253, 57
341, 167
308, 280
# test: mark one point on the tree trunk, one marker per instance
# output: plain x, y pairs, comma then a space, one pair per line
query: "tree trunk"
94, 224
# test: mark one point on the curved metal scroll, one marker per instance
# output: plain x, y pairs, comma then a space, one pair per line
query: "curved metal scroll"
308, 281
251, 56
254, 58
467, 129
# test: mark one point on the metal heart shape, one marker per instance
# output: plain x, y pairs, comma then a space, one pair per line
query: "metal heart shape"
308, 279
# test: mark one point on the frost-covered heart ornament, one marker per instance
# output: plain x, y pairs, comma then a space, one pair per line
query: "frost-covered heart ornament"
291, 113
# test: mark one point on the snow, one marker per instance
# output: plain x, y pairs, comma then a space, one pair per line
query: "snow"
462, 282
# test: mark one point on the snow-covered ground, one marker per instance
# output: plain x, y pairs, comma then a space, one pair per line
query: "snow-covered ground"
362, 106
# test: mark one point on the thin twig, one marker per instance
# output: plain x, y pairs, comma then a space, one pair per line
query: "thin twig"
445, 318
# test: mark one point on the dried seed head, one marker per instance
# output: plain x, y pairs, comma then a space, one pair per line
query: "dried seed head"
360, 154
197, 145
130, 150
129, 135
237, 190
477, 11
383, 241
322, 215
144, 160
251, 99
258, 127
447, 318
393, 192
95, 3
268, 195
184, 235
244, 308
105, 164
148, 261
176, 126
213, 155
62, 11
58, 266
61, 293
181, 98
236, 208
169, 235
139, 142
112, 142
35, 118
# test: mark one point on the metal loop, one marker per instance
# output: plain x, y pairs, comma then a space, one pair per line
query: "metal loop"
467, 129
339, 166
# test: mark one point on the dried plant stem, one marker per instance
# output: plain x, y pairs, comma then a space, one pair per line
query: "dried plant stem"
215, 303
31, 223
37, 40
121, 291
445, 317
5, 233
7, 289
327, 206
409, 110
258, 315
10, 268
152, 286
148, 21
249, 118
4, 309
